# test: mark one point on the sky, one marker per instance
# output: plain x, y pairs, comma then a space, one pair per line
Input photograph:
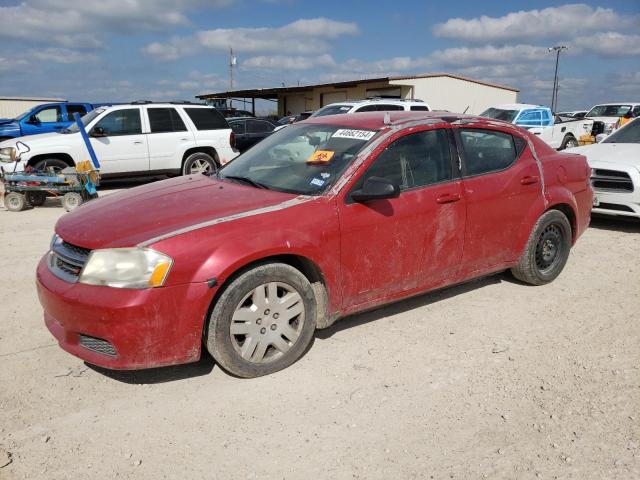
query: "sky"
122, 50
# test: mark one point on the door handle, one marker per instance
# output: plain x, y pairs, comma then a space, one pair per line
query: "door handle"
448, 198
184, 139
137, 142
529, 180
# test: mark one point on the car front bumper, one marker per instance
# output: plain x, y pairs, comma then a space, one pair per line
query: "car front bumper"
616, 189
125, 329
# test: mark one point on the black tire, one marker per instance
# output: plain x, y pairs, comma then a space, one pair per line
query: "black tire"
71, 201
15, 201
569, 141
547, 250
2, 139
47, 164
199, 163
36, 199
224, 346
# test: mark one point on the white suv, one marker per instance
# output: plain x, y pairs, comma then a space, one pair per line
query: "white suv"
372, 105
140, 138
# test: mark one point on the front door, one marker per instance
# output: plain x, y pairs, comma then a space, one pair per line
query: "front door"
46, 120
123, 149
410, 242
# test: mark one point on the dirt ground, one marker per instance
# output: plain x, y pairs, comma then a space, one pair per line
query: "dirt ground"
491, 379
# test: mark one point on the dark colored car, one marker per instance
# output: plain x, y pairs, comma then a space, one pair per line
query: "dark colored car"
322, 219
249, 131
287, 119
234, 112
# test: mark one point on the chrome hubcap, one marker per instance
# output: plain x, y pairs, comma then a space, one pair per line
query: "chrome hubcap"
200, 166
267, 322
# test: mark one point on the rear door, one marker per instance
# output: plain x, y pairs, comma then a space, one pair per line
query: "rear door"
501, 184
257, 130
124, 148
44, 120
414, 241
168, 138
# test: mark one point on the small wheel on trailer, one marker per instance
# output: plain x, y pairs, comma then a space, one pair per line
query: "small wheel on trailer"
71, 201
36, 199
15, 201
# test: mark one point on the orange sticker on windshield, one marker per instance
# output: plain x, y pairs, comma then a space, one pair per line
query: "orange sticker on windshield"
320, 156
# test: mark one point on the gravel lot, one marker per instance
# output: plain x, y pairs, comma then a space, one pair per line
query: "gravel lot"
491, 379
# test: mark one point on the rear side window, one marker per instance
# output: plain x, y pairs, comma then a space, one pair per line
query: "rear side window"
206, 118
488, 150
419, 108
258, 126
165, 120
237, 127
79, 109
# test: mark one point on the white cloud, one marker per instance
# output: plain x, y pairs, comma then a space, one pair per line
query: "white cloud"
607, 44
81, 23
466, 56
566, 21
61, 55
276, 62
302, 37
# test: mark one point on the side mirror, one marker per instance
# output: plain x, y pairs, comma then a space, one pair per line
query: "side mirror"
375, 188
34, 120
98, 132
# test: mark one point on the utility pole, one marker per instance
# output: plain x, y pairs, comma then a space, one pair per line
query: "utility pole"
232, 63
554, 96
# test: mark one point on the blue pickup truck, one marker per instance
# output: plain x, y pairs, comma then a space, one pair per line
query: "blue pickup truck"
45, 118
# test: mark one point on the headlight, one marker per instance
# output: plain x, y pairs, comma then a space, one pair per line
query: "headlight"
126, 268
7, 154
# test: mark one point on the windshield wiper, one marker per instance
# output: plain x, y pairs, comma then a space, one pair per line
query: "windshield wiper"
246, 180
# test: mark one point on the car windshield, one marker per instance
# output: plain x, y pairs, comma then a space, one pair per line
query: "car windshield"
608, 111
629, 134
23, 114
86, 120
500, 114
332, 110
301, 159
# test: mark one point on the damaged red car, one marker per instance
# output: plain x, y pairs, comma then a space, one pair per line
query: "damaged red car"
323, 219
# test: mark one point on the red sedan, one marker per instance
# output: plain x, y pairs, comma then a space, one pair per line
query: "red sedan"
322, 219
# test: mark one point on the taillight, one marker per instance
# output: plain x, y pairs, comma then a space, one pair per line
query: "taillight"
232, 140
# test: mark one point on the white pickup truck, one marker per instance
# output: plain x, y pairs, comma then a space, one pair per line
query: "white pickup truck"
558, 132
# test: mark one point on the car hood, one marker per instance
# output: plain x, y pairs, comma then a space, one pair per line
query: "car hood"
7, 120
621, 153
140, 214
605, 120
47, 140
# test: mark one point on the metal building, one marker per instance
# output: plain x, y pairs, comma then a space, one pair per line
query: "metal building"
442, 91
11, 107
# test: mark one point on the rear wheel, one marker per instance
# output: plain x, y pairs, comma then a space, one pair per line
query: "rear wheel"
263, 321
71, 201
547, 250
50, 164
199, 163
15, 202
569, 141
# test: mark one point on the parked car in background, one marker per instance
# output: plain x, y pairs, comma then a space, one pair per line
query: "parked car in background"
287, 119
45, 118
372, 105
250, 130
573, 114
322, 219
610, 113
141, 138
558, 132
615, 164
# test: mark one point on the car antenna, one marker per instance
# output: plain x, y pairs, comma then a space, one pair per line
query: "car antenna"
465, 110
387, 118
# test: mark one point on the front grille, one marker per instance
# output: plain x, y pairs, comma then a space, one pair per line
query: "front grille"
611, 180
97, 345
66, 260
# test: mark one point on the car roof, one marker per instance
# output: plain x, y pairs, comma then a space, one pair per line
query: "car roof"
614, 103
517, 106
398, 101
375, 120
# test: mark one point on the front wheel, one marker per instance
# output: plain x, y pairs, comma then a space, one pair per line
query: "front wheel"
50, 164
199, 163
547, 250
15, 201
569, 142
263, 322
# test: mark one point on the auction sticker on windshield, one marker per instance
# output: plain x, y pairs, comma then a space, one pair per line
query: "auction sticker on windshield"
349, 133
320, 156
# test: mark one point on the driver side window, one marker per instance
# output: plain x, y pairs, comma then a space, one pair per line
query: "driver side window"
415, 160
49, 115
121, 122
